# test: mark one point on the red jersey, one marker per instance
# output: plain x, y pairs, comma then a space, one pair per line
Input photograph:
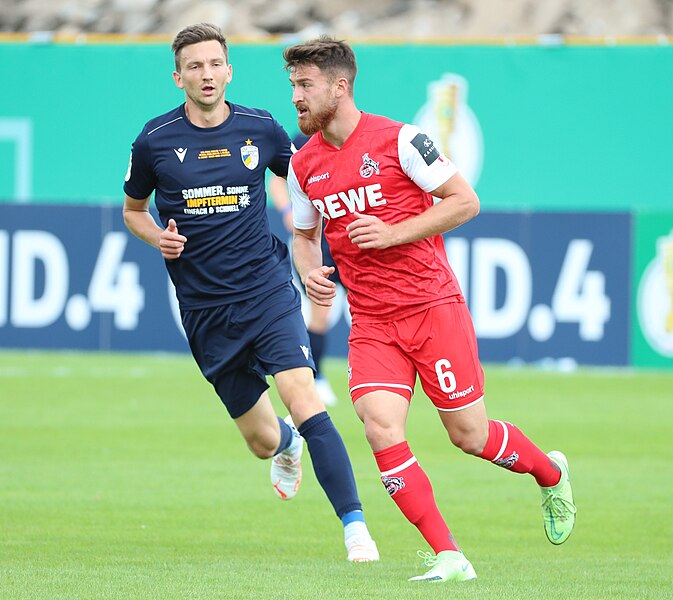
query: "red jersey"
385, 169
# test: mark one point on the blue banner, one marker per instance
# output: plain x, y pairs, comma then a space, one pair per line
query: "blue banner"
539, 285
74, 277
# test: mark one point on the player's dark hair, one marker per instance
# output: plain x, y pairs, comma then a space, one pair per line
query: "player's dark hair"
334, 57
201, 32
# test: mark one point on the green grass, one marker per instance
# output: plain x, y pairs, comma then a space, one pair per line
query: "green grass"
121, 476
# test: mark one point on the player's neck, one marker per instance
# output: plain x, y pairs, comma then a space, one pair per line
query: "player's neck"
212, 117
342, 126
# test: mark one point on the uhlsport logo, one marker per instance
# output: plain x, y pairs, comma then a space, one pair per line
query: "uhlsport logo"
655, 298
450, 123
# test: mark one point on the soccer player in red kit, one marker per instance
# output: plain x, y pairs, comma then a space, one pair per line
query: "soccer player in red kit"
372, 181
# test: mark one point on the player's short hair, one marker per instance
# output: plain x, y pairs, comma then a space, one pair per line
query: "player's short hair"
193, 34
334, 57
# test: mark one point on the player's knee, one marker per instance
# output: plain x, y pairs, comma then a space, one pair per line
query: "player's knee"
381, 436
262, 448
470, 442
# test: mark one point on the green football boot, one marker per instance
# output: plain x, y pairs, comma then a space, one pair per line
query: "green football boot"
446, 566
558, 506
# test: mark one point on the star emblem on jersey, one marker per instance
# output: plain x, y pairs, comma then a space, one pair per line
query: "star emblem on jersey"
180, 153
250, 155
369, 166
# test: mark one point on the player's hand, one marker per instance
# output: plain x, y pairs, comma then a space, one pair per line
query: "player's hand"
370, 232
171, 243
319, 288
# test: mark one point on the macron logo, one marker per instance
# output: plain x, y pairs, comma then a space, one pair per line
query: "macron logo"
318, 177
180, 153
305, 350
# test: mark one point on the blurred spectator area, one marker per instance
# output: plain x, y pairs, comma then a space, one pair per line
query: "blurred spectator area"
405, 19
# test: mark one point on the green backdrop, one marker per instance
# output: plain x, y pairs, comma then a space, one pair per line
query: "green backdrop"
571, 127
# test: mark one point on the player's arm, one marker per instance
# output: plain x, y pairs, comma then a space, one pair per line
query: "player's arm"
281, 199
306, 246
458, 204
307, 255
140, 223
433, 173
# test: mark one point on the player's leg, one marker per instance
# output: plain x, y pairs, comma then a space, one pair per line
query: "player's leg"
318, 325
282, 349
381, 385
268, 435
261, 430
329, 458
453, 379
222, 347
505, 445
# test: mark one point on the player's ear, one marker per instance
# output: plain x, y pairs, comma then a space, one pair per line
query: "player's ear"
342, 87
231, 73
178, 80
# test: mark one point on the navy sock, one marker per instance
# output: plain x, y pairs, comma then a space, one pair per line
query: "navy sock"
285, 435
317, 341
331, 463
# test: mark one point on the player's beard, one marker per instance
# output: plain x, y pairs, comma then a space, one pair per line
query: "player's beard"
320, 119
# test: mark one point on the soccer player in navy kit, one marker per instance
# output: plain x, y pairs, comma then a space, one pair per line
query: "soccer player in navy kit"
205, 162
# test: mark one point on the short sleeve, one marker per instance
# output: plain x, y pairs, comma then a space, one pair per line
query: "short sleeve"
423, 163
281, 159
140, 179
304, 214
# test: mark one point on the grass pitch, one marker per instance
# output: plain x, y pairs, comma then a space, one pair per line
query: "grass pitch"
121, 476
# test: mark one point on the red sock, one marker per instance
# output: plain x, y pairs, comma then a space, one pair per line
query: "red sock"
410, 488
507, 447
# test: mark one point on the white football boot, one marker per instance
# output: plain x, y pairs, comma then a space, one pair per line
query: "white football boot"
286, 466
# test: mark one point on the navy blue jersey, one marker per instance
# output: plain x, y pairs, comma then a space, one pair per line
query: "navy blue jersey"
212, 182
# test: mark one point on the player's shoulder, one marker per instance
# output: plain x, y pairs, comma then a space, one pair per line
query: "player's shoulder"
163, 123
307, 152
249, 113
378, 123
388, 129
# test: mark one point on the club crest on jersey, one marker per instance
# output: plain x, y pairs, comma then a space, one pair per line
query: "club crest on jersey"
392, 484
369, 166
250, 155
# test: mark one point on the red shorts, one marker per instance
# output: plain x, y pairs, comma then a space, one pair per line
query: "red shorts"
438, 344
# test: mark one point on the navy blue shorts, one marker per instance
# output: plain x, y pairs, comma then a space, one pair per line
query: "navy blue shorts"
237, 345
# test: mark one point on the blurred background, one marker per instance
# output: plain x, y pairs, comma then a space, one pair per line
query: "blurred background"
558, 113
403, 18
